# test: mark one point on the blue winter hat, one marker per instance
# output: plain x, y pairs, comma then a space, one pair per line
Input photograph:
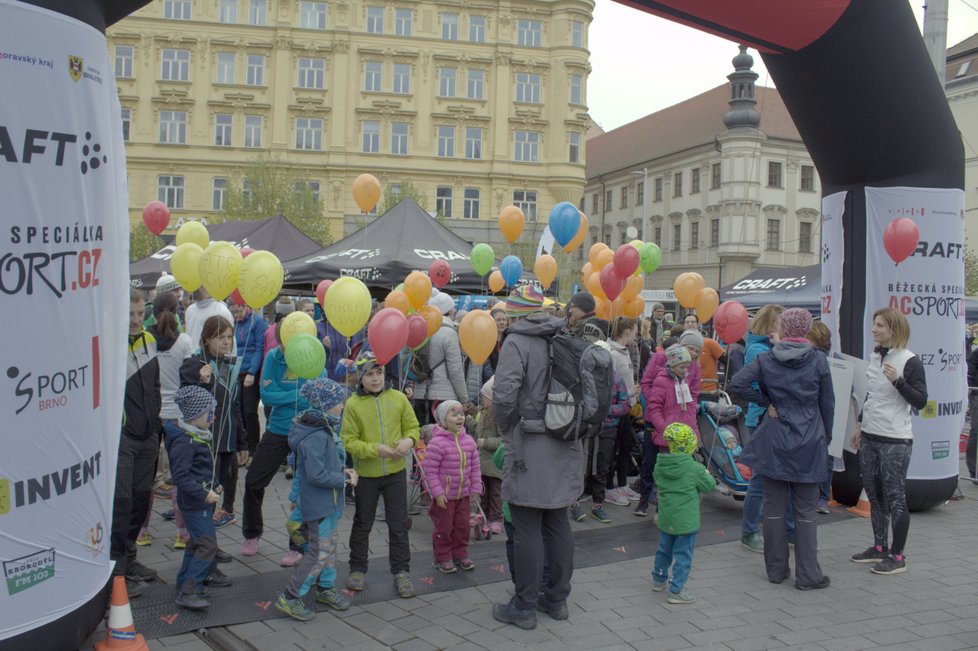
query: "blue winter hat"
323, 393
194, 401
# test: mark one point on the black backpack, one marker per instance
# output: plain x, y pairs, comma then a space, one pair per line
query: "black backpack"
579, 387
420, 369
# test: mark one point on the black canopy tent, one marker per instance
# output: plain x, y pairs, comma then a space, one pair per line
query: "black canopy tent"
787, 286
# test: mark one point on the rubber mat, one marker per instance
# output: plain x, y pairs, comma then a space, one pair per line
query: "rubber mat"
251, 598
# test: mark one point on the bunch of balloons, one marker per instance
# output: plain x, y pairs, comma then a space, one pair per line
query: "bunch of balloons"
616, 278
691, 292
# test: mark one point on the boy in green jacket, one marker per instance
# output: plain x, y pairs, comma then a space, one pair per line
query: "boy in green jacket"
680, 480
379, 430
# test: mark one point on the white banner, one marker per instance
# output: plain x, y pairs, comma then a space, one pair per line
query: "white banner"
64, 294
547, 242
842, 371
832, 255
928, 288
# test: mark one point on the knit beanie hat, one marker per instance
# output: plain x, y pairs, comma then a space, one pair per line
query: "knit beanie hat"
486, 391
676, 355
681, 438
441, 411
443, 302
523, 301
795, 322
284, 306
323, 394
583, 301
658, 306
194, 401
691, 338
167, 283
366, 360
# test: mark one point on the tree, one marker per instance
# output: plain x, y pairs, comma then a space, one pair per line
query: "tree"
268, 187
142, 242
393, 193
970, 272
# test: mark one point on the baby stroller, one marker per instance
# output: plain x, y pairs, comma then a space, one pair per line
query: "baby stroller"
479, 524
721, 421
418, 498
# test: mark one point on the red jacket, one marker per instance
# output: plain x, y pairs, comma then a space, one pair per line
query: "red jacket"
665, 409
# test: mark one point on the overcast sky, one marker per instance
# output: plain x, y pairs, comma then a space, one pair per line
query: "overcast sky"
642, 63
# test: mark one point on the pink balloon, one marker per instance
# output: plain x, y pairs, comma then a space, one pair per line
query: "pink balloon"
321, 290
440, 273
246, 251
730, 321
387, 334
900, 239
611, 282
156, 216
236, 298
417, 330
626, 261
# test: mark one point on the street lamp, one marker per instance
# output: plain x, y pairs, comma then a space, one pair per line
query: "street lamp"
645, 212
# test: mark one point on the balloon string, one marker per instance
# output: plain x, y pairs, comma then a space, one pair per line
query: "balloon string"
406, 368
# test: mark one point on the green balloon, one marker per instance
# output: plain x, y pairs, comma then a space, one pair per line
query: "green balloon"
305, 356
649, 257
482, 258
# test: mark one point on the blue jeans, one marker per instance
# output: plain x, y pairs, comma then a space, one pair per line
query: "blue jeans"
198, 558
753, 502
677, 552
824, 487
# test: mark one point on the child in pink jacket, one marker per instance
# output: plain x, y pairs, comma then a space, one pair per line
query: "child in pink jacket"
454, 478
672, 399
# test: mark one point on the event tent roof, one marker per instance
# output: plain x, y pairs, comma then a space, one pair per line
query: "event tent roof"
787, 286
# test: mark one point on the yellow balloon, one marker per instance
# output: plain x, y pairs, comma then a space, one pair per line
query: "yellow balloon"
219, 268
478, 335
707, 302
545, 269
185, 265
578, 239
347, 305
496, 282
193, 232
637, 244
297, 323
687, 287
260, 279
366, 191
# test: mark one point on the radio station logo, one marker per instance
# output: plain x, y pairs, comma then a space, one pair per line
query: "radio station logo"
940, 449
27, 571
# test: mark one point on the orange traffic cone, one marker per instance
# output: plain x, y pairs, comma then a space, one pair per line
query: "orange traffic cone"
122, 633
832, 501
862, 506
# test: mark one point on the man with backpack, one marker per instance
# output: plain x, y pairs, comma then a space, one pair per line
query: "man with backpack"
437, 369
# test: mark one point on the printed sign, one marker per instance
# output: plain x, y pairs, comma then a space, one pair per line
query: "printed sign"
832, 257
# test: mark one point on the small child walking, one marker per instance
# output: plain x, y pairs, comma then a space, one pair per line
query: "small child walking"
321, 478
454, 476
680, 480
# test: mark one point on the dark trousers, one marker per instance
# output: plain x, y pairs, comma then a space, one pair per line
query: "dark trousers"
510, 543
538, 530
649, 454
272, 451
250, 397
368, 492
972, 449
133, 486
227, 473
600, 469
492, 500
804, 500
623, 452
450, 536
199, 556
883, 468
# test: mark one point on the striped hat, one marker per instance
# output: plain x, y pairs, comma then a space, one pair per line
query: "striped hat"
194, 401
523, 301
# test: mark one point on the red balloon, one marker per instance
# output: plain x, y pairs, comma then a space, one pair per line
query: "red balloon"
387, 334
626, 260
246, 251
156, 216
730, 321
417, 330
321, 290
236, 298
900, 239
611, 282
440, 273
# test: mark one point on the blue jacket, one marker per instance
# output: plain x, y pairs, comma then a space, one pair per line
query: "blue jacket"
191, 466
280, 391
319, 463
249, 332
756, 346
337, 348
228, 423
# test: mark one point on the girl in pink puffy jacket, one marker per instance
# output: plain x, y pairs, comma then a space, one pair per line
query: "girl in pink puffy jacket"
454, 478
672, 399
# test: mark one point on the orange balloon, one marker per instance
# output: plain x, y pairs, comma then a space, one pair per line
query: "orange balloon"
432, 316
417, 287
707, 302
511, 223
634, 307
593, 284
366, 191
478, 335
545, 268
698, 279
399, 301
634, 285
687, 287
605, 257
602, 308
586, 270
592, 254
578, 239
496, 282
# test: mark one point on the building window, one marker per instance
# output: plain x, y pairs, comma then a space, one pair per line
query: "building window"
640, 193
694, 180
169, 190
228, 13
577, 34
677, 237
446, 82
808, 178
477, 29
476, 84
658, 235
473, 143
256, 70
576, 89
715, 176
607, 201
246, 191
225, 67
528, 33
449, 27
375, 20
657, 189
446, 142
470, 205
309, 134
526, 201
257, 12
595, 203
527, 146
443, 202
311, 73
372, 76
176, 65
714, 233
312, 187
123, 61
219, 194
402, 22
574, 155
527, 87
252, 130
399, 138
395, 190
176, 9
774, 235
371, 137
677, 184
312, 15
222, 129
402, 78
623, 202
173, 127
694, 235
126, 122
774, 175
804, 237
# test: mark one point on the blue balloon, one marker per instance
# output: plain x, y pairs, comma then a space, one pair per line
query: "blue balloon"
565, 220
511, 269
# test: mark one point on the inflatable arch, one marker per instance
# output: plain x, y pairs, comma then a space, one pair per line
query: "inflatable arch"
853, 73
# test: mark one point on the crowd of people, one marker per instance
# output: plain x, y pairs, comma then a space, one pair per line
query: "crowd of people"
199, 374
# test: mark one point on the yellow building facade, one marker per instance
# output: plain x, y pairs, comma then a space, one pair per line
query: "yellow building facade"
478, 104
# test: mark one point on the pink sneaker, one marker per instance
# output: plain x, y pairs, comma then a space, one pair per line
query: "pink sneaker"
249, 547
291, 559
496, 527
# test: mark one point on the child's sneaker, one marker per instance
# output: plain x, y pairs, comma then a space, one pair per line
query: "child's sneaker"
642, 509
577, 513
249, 547
222, 518
356, 581
294, 608
599, 514
629, 494
684, 596
871, 555
332, 598
291, 559
890, 565
179, 542
144, 539
405, 589
192, 601
616, 498
445, 567
753, 542
659, 583
496, 527
466, 564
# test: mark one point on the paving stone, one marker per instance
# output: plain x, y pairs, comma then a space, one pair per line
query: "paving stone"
415, 644
892, 636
